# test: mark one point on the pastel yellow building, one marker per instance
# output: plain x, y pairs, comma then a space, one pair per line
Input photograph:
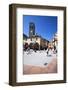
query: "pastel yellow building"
37, 39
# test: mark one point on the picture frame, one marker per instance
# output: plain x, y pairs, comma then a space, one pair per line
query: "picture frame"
15, 41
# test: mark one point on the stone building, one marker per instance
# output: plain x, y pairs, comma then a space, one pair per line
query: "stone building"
34, 39
55, 40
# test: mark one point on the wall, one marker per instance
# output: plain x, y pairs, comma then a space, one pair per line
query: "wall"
4, 44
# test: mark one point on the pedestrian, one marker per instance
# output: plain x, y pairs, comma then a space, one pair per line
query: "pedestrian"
47, 51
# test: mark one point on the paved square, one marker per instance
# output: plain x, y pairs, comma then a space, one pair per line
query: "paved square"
39, 62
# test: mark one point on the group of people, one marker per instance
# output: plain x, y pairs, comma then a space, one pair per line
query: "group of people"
53, 50
48, 50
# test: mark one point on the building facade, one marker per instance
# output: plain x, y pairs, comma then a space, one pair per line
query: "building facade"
54, 42
34, 40
42, 43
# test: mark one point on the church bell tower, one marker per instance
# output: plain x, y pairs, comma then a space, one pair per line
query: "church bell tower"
31, 29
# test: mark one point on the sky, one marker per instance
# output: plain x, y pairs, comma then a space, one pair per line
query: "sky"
45, 26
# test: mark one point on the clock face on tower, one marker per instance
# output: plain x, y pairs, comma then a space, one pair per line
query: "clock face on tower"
31, 29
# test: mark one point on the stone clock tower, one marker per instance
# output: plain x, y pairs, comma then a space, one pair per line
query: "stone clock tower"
31, 29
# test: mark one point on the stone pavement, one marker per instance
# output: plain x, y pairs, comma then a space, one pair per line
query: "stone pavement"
50, 68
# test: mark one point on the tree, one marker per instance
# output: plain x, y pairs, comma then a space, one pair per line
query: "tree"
26, 46
36, 46
31, 46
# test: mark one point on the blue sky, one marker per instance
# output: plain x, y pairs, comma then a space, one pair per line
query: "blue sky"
46, 26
